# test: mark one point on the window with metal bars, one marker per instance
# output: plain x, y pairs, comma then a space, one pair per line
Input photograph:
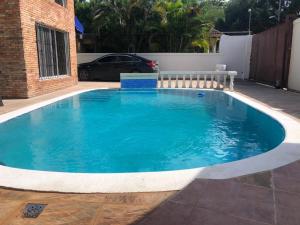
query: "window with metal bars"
53, 52
61, 2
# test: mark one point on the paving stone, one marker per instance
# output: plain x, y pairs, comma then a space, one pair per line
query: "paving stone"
290, 171
287, 216
78, 209
260, 179
170, 213
224, 189
8, 209
202, 216
111, 214
240, 200
286, 183
288, 200
191, 194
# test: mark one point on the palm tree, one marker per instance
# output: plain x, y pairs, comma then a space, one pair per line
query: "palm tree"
122, 15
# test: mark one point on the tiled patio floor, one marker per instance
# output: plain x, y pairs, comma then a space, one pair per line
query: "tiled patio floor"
269, 198
77, 209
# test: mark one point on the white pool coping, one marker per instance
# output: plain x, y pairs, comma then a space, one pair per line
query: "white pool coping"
285, 153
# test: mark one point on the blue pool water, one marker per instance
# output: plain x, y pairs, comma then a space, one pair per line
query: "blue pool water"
107, 131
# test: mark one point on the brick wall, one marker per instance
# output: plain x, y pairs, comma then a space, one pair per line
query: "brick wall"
13, 82
29, 12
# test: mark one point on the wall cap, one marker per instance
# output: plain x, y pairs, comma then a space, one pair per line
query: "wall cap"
297, 21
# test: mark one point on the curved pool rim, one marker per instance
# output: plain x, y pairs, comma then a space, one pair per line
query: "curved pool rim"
285, 153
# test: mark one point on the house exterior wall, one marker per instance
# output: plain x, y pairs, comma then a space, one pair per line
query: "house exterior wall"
28, 13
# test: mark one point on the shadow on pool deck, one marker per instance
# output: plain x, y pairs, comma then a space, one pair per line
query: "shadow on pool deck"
267, 198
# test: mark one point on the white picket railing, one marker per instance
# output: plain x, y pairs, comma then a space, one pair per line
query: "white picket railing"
203, 79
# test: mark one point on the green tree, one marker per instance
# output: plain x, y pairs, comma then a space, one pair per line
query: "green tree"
264, 14
150, 25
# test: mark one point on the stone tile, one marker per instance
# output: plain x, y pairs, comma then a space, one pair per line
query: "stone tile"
259, 179
9, 208
287, 216
224, 189
250, 210
286, 183
137, 198
288, 102
13, 195
292, 170
78, 209
14, 104
202, 216
287, 200
114, 215
61, 213
240, 200
191, 194
170, 213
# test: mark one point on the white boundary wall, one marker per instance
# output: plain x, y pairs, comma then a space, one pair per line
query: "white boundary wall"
235, 53
294, 76
170, 61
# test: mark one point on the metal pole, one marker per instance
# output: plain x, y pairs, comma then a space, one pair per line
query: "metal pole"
250, 15
279, 11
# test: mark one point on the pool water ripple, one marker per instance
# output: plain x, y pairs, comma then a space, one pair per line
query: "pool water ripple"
115, 131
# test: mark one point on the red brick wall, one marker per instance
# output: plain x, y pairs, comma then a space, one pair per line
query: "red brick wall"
13, 82
28, 13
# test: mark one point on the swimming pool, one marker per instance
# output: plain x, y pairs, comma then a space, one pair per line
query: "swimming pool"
117, 131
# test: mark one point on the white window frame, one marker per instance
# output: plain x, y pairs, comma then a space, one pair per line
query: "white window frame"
63, 3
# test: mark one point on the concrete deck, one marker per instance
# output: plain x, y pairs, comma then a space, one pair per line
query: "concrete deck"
269, 198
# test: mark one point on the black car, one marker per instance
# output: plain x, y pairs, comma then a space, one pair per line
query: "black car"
109, 67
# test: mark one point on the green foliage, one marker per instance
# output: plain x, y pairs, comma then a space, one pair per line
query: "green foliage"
264, 14
173, 25
150, 25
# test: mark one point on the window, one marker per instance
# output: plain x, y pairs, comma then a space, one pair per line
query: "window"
108, 59
124, 58
61, 2
53, 52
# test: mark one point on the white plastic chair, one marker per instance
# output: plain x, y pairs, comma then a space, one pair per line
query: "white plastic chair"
221, 67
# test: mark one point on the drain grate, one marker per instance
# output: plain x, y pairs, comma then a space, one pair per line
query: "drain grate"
33, 210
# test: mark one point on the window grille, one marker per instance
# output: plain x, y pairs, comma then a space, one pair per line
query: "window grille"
53, 52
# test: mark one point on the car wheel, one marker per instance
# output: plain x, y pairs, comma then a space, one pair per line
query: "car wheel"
83, 75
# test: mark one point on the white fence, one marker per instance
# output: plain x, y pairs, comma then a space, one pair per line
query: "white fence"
294, 76
184, 79
193, 79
